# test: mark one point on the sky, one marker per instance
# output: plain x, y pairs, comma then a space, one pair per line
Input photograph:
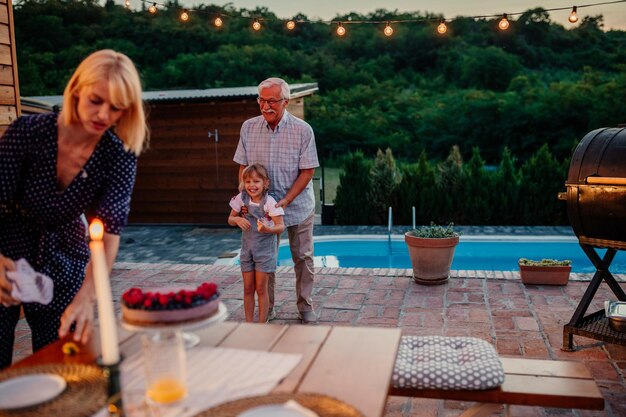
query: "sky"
614, 14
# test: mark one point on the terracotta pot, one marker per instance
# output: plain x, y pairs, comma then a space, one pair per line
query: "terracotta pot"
544, 275
431, 258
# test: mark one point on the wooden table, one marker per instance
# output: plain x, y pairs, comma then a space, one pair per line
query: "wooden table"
352, 364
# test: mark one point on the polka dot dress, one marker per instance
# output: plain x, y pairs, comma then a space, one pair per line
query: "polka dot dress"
42, 224
449, 363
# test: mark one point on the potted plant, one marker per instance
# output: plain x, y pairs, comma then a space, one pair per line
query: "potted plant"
545, 271
431, 249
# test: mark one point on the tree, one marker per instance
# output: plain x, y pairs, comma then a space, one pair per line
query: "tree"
542, 178
506, 189
384, 179
352, 204
477, 191
450, 182
416, 189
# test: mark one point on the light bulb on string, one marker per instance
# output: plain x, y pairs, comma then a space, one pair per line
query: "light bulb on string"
503, 24
218, 22
291, 25
127, 4
573, 17
152, 9
442, 28
388, 31
184, 16
256, 25
340, 29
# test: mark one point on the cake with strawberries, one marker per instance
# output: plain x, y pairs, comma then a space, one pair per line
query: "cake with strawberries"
169, 306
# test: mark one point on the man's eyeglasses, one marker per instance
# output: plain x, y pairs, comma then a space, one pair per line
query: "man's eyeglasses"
271, 102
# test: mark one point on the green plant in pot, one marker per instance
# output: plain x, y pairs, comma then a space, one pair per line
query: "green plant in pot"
545, 271
431, 249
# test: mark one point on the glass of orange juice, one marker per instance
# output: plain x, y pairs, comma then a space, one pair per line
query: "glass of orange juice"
165, 366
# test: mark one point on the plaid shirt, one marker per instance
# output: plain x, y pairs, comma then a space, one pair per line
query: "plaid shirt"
284, 151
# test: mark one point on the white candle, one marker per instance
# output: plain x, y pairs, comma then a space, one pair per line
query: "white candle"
106, 316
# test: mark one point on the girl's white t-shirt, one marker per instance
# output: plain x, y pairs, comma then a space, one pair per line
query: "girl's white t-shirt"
236, 203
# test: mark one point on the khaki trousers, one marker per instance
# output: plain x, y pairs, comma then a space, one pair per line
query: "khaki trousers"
301, 245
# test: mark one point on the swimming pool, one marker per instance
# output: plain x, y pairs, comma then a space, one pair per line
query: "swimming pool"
496, 253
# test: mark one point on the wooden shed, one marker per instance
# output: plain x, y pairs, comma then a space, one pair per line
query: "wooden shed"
188, 174
9, 85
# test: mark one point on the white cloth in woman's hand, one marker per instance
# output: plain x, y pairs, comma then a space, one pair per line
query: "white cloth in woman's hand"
30, 286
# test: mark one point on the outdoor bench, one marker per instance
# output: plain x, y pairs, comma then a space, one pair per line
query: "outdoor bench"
531, 382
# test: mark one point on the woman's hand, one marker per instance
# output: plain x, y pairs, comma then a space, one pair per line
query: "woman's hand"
80, 311
6, 287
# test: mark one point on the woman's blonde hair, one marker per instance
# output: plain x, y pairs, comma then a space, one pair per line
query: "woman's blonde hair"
124, 92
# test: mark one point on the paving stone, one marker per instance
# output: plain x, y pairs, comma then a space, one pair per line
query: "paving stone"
526, 323
492, 305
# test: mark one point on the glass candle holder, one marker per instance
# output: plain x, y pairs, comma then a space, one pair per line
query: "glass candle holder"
165, 366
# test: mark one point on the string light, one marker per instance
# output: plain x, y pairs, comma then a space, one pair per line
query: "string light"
503, 24
442, 28
388, 31
127, 4
573, 17
340, 29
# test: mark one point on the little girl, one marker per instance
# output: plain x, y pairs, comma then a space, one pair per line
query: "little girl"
259, 248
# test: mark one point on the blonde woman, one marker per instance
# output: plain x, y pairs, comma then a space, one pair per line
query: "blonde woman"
54, 168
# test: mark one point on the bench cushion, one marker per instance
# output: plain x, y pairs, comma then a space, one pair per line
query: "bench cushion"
448, 363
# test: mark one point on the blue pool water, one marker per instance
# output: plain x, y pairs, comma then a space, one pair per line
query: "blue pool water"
497, 254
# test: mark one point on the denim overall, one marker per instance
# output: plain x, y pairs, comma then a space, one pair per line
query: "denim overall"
259, 251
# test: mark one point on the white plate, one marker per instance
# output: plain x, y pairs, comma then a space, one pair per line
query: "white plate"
274, 410
28, 390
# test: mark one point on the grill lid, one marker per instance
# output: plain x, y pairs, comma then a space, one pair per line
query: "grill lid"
596, 188
601, 153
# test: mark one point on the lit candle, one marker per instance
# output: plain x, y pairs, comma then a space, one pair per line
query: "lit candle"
108, 328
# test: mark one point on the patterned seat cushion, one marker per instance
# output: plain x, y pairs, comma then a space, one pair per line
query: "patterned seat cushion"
448, 363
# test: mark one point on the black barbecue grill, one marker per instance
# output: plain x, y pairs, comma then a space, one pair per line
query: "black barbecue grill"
596, 207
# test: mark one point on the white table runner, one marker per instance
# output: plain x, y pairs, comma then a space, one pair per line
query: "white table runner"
215, 376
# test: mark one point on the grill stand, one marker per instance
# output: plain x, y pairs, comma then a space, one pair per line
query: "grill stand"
596, 325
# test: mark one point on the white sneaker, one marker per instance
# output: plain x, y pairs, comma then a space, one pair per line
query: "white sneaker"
307, 316
271, 315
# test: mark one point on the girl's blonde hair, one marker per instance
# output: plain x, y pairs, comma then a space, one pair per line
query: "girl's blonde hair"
260, 170
124, 92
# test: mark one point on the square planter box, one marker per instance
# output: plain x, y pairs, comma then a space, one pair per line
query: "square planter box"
544, 275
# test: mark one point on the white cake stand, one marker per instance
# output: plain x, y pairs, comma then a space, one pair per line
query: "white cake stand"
191, 339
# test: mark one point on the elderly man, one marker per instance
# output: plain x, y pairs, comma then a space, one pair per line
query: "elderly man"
286, 146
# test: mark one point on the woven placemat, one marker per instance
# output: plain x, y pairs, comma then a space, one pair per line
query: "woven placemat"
85, 394
323, 405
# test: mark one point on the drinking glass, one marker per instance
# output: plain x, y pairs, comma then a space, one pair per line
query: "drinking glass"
165, 366
134, 404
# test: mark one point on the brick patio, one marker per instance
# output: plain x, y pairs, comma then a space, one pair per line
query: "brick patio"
524, 321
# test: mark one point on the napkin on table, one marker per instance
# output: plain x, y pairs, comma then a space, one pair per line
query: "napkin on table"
30, 286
